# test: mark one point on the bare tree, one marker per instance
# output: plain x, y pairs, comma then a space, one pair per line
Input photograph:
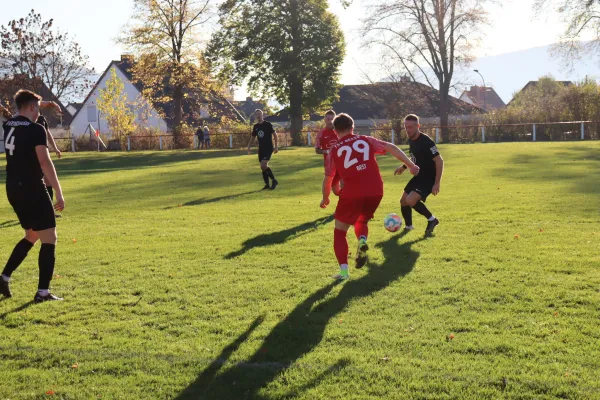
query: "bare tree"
583, 22
166, 37
31, 48
426, 39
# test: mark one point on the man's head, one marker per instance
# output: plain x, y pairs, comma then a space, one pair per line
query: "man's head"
259, 115
28, 104
411, 124
343, 125
329, 116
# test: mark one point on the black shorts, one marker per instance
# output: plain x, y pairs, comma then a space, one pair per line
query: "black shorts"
422, 186
33, 206
264, 155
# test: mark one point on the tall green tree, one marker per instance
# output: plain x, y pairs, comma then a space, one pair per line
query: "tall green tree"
291, 50
112, 103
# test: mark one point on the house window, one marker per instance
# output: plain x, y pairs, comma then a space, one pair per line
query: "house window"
91, 111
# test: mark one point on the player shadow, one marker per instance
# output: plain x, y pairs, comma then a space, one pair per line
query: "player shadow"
302, 330
280, 237
20, 308
9, 224
202, 201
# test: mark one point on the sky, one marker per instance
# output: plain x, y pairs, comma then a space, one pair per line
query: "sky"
95, 24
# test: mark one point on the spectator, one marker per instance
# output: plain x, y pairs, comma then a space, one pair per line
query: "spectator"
200, 138
206, 137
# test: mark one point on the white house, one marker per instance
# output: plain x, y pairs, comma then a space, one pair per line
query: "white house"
88, 114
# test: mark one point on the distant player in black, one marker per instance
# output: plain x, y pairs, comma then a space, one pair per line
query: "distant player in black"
264, 131
425, 154
27, 163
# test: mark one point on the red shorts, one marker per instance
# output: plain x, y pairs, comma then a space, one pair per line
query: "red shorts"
351, 209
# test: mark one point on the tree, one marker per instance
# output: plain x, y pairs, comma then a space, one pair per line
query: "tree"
32, 48
113, 105
583, 18
426, 39
289, 49
165, 35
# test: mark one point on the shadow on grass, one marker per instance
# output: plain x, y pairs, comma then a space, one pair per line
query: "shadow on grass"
9, 224
302, 330
280, 237
200, 202
20, 308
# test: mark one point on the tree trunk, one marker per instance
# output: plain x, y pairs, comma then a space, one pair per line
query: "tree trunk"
178, 138
444, 111
296, 84
296, 124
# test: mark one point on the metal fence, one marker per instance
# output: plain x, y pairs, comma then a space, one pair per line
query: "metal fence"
478, 133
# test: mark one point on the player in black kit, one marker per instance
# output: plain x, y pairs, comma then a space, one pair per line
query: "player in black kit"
425, 154
264, 131
27, 163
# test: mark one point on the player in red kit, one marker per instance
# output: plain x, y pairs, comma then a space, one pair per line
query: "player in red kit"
353, 157
326, 138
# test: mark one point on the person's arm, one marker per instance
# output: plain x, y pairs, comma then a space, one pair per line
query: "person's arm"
439, 171
51, 104
53, 143
400, 155
318, 149
327, 183
50, 175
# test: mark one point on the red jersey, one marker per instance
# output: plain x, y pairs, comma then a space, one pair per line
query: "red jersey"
326, 138
353, 158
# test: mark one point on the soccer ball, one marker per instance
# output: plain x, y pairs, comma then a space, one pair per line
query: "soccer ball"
392, 222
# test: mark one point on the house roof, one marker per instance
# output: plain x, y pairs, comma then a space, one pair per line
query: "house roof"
380, 100
487, 96
125, 66
533, 84
10, 86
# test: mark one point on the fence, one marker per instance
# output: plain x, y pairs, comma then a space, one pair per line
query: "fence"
494, 133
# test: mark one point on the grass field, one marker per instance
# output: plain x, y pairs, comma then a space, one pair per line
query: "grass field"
183, 281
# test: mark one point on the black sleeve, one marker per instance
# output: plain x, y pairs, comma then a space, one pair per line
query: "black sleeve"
272, 129
432, 150
254, 131
38, 136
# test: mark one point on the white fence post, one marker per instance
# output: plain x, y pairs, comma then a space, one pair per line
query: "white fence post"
437, 135
309, 139
128, 143
483, 134
534, 133
160, 143
582, 130
231, 141
393, 136
73, 144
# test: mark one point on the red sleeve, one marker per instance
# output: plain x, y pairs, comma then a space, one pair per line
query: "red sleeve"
377, 145
330, 168
318, 139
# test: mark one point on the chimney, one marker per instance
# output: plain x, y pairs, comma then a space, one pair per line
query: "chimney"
405, 78
128, 58
249, 99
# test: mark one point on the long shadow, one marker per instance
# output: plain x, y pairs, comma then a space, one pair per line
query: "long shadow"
280, 237
302, 330
200, 202
20, 308
9, 224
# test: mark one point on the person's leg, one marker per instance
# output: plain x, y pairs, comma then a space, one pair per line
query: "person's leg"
346, 215
17, 256
269, 172
361, 228
46, 262
406, 212
264, 165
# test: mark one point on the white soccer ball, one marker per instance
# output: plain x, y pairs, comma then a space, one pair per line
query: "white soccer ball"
392, 222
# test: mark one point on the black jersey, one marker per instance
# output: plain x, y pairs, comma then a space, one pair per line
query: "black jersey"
423, 150
21, 137
264, 132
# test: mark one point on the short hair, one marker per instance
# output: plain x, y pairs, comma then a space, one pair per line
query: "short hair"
25, 97
411, 117
258, 110
330, 112
343, 122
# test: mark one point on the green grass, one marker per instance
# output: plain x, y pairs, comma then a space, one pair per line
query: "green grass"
186, 282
